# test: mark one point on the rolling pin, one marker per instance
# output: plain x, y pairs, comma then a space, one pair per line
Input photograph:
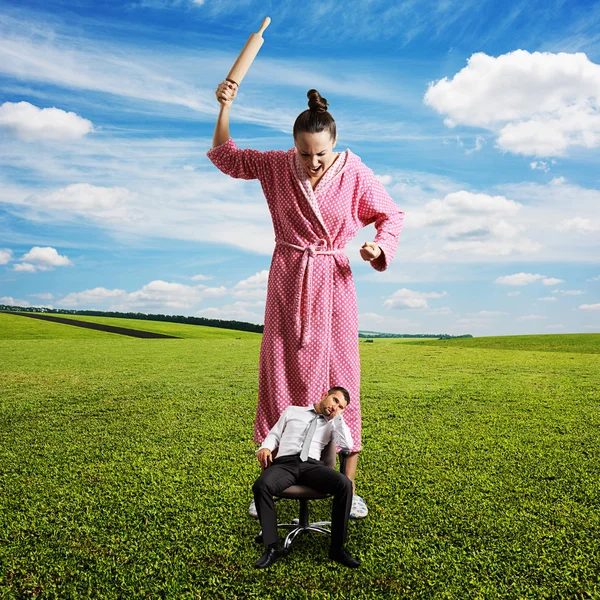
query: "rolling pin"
248, 54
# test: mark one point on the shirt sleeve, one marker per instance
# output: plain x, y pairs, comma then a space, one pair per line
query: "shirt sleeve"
274, 436
237, 162
376, 206
341, 435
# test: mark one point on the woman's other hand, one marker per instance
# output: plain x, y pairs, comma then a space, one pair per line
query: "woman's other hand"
226, 92
370, 251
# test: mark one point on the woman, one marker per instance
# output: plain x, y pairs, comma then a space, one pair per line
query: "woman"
318, 200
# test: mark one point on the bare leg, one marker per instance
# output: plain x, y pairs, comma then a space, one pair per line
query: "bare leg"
351, 463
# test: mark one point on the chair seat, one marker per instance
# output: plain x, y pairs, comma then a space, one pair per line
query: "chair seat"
302, 491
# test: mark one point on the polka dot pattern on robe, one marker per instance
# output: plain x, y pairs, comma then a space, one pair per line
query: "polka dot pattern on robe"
347, 198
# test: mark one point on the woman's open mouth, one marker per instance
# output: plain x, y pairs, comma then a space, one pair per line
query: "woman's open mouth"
312, 171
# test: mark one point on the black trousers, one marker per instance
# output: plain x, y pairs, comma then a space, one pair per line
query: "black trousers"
290, 470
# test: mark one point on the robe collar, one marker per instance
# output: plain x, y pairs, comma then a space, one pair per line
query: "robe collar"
303, 180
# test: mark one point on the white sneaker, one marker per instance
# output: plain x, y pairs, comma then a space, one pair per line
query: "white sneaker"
252, 510
359, 508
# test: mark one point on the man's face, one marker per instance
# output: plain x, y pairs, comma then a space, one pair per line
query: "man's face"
332, 404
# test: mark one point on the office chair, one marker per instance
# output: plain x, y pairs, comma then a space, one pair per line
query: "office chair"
303, 494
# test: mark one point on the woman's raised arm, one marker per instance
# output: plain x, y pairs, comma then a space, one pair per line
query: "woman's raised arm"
226, 92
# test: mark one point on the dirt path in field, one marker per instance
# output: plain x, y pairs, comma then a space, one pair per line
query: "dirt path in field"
99, 326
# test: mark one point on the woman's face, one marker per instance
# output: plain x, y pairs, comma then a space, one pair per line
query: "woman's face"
315, 151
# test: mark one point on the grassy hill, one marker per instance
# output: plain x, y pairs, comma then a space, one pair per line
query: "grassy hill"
177, 329
18, 327
126, 467
588, 343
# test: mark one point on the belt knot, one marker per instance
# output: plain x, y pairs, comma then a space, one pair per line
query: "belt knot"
310, 252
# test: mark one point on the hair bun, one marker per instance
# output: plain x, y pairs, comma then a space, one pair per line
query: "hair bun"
316, 103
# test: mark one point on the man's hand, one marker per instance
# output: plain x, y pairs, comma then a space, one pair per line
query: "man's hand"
264, 457
370, 251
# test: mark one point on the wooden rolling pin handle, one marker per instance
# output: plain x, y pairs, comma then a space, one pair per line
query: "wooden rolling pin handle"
247, 55
264, 25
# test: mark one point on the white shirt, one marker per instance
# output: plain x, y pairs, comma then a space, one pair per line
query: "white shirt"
289, 432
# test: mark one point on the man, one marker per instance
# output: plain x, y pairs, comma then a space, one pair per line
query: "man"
301, 433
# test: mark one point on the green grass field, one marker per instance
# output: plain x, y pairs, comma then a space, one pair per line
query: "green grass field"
578, 343
126, 467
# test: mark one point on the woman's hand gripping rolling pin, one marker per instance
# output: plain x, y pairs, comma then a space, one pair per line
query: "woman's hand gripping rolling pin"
226, 92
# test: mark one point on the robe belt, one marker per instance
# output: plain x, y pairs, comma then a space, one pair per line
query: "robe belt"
303, 318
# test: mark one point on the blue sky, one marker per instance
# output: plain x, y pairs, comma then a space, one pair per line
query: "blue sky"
482, 119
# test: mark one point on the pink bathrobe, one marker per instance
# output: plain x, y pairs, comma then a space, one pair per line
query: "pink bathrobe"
310, 340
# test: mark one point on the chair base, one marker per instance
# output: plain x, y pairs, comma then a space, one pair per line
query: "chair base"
297, 530
300, 526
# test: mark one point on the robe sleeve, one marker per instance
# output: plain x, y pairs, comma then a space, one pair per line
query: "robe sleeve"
237, 162
376, 206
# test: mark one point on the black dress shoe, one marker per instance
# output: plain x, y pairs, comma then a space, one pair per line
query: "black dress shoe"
341, 555
270, 556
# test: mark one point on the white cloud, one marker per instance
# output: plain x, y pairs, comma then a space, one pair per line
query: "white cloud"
384, 179
10, 301
441, 311
165, 294
540, 166
464, 203
255, 287
490, 313
532, 318
388, 324
214, 292
474, 223
406, 298
548, 299
252, 312
157, 294
511, 294
569, 292
579, 225
595, 278
5, 256
547, 206
558, 181
106, 204
206, 206
551, 281
526, 279
201, 277
537, 103
43, 296
46, 257
25, 268
42, 259
589, 307
91, 298
519, 279
30, 123
479, 142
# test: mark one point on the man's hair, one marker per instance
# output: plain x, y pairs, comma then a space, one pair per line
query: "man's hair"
339, 388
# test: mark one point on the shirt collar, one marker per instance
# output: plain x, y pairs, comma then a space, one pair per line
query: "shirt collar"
312, 408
